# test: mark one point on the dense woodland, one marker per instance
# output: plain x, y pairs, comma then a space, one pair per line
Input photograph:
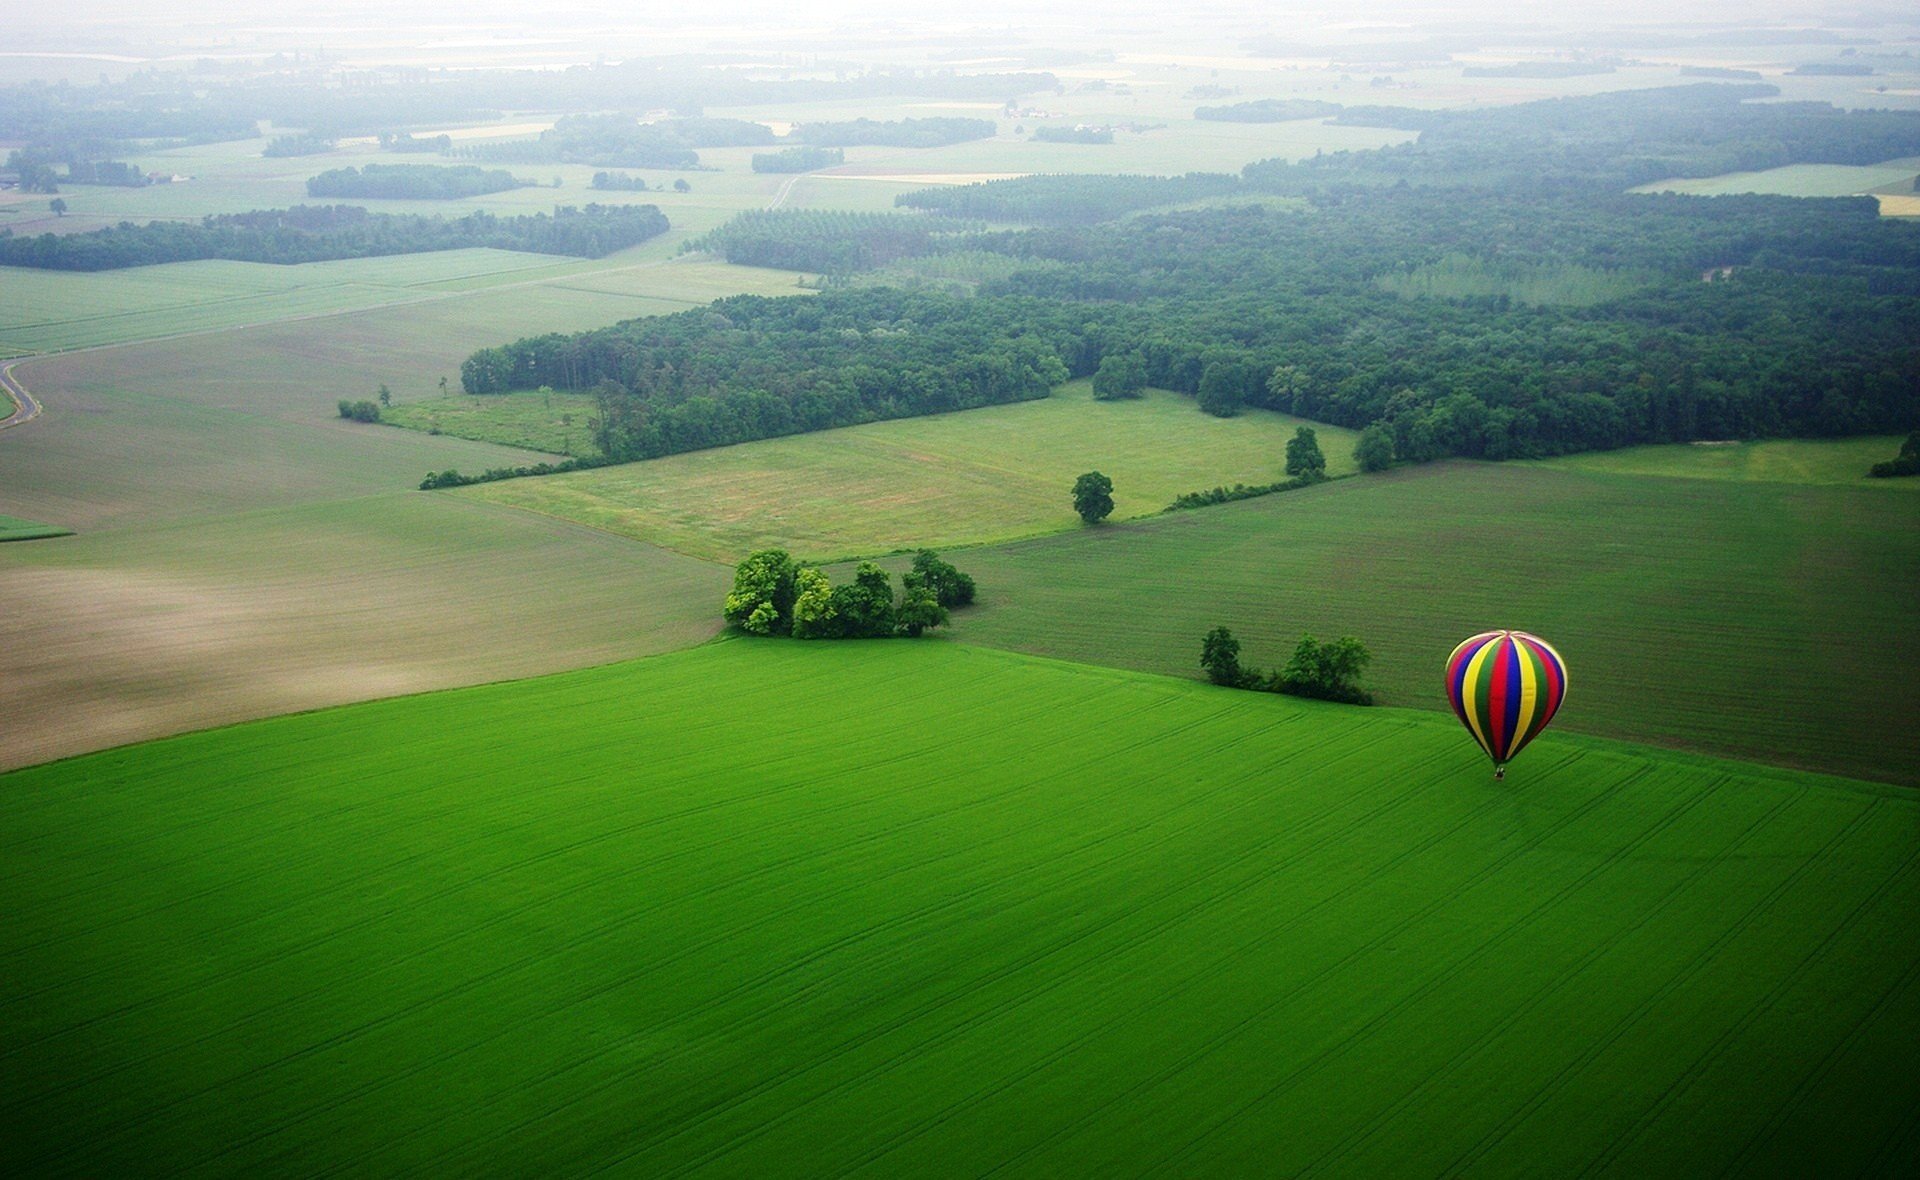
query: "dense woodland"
1518, 319
315, 233
1067, 198
432, 182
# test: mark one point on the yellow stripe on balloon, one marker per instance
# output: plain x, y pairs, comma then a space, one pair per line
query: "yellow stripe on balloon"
1529, 694
1470, 693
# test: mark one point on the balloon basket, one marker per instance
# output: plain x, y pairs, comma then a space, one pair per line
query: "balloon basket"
1499, 772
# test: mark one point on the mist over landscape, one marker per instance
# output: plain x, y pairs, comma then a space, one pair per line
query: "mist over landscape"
827, 589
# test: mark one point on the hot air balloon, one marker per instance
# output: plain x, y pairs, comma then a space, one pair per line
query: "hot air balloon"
1505, 686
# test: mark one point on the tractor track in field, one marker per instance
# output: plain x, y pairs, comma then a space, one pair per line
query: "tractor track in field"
26, 407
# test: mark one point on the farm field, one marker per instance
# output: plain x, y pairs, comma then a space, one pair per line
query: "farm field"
692, 914
969, 477
127, 634
1765, 620
1841, 461
1796, 180
12, 528
51, 311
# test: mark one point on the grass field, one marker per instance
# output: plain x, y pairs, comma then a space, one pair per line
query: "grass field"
1786, 460
12, 528
745, 911
49, 311
1796, 180
556, 423
1765, 620
975, 476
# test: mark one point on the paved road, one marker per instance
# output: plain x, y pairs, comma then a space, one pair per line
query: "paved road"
26, 409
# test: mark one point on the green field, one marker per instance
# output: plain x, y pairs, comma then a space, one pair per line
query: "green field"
1796, 180
747, 910
1781, 460
970, 477
12, 528
556, 423
1771, 621
50, 311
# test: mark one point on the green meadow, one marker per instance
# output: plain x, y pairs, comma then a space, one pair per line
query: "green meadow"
1765, 620
916, 908
964, 478
1836, 461
12, 528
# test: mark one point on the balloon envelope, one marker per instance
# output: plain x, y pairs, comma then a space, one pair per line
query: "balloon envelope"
1505, 686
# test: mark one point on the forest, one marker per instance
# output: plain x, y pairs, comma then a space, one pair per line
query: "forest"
316, 233
434, 182
829, 242
1525, 321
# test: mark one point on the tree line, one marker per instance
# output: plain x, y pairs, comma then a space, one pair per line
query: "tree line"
433, 182
314, 233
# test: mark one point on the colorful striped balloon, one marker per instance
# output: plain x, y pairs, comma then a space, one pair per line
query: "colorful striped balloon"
1505, 686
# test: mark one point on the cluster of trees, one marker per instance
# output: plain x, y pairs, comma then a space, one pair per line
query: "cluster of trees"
1323, 671
1907, 462
1073, 135
623, 141
1269, 110
774, 595
754, 367
413, 181
798, 159
360, 411
620, 182
302, 143
1052, 199
312, 233
913, 133
434, 182
829, 242
402, 141
110, 172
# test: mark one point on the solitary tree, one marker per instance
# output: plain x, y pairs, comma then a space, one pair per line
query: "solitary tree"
1220, 656
681, 186
386, 395
1093, 497
59, 206
1304, 460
